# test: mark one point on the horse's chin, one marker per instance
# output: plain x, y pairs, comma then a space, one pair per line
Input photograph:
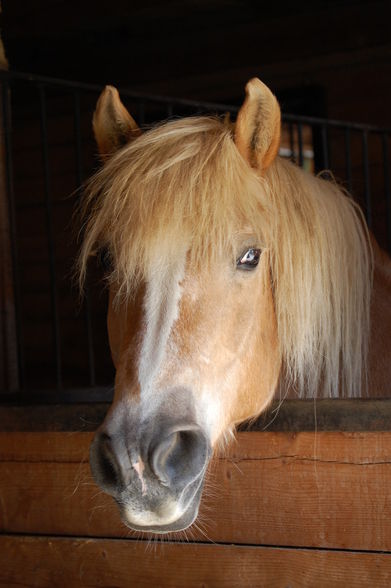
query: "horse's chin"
182, 522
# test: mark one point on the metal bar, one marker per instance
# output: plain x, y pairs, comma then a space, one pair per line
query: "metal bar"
9, 169
50, 237
87, 297
387, 189
312, 120
325, 146
300, 142
367, 186
348, 160
292, 142
47, 81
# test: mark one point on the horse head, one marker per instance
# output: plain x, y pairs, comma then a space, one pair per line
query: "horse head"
226, 263
195, 346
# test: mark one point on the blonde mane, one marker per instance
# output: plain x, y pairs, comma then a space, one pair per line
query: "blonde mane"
184, 184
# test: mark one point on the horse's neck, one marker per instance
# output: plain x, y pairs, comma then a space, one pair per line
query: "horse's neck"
380, 341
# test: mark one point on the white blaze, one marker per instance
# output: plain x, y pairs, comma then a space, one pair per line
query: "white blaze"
163, 294
139, 467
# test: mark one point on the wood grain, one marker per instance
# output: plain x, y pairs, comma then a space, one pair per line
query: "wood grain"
46, 562
330, 490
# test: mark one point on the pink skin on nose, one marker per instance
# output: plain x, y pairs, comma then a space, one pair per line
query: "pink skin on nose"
139, 467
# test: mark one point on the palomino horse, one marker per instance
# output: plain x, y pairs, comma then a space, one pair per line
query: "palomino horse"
230, 269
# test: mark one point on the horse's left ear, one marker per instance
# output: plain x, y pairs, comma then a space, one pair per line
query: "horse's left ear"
258, 126
113, 126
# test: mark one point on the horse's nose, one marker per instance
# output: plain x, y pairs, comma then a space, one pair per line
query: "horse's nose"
110, 463
172, 459
178, 457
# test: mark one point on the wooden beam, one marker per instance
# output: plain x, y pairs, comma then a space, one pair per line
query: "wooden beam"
51, 561
291, 415
327, 490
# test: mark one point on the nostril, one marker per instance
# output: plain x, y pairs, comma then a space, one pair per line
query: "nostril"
103, 462
179, 458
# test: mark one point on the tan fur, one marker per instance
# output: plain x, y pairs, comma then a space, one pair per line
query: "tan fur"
228, 354
124, 326
196, 340
258, 126
113, 126
185, 182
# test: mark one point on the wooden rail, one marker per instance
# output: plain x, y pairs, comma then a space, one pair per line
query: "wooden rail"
291, 415
280, 509
61, 562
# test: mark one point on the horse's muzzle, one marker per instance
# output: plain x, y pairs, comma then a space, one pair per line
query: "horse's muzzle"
156, 476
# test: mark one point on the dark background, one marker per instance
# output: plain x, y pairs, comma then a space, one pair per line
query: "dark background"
326, 58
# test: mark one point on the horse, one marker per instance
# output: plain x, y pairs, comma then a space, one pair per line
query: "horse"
232, 272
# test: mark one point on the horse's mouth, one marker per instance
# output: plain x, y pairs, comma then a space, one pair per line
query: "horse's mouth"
184, 520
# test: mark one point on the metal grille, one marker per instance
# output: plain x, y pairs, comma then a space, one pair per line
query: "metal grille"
48, 151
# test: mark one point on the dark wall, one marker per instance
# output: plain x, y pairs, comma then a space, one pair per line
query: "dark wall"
339, 51
329, 59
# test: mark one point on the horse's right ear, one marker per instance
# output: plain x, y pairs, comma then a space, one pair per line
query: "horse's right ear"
258, 126
113, 126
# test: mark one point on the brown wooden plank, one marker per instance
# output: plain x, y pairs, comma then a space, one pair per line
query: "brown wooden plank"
328, 490
336, 446
53, 447
48, 561
371, 447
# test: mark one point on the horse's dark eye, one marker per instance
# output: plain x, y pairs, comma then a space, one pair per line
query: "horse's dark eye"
104, 260
249, 260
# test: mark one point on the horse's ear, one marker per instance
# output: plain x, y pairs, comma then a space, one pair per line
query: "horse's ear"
113, 126
258, 126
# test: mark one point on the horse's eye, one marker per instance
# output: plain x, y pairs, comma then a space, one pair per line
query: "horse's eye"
249, 260
104, 260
